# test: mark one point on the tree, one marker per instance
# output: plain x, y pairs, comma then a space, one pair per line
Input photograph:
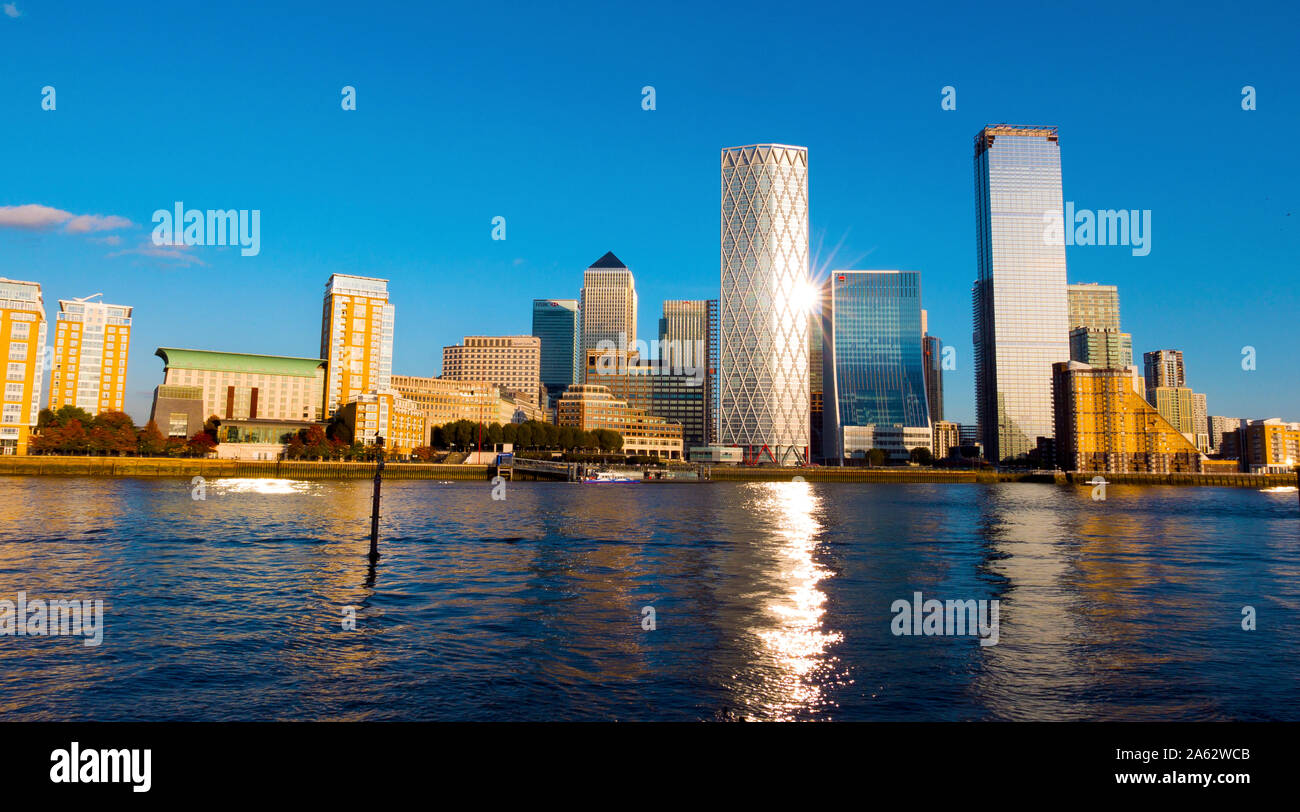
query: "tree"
423, 453
877, 456
200, 445
149, 441
114, 433
921, 455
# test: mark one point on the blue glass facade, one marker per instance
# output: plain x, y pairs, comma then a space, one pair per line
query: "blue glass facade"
873, 366
557, 323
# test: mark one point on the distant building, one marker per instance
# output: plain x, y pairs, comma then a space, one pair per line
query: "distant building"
677, 396
896, 441
91, 343
1268, 446
356, 337
947, 436
442, 401
22, 331
557, 323
512, 362
1101, 347
242, 386
608, 305
1103, 425
1220, 426
873, 367
590, 406
1201, 422
1176, 404
399, 421
1163, 368
688, 339
932, 349
178, 411
1093, 307
816, 393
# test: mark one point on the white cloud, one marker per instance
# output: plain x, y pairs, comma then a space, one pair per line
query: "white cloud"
35, 217
167, 252
11, 10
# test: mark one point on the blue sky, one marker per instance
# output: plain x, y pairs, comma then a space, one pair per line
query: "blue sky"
533, 112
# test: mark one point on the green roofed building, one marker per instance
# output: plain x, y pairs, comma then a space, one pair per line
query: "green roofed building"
242, 386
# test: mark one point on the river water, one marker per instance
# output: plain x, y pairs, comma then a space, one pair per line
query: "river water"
768, 601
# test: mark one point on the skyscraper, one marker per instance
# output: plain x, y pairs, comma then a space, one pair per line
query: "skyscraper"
22, 333
1020, 306
1163, 368
873, 363
356, 338
608, 305
557, 323
91, 343
763, 330
688, 338
932, 348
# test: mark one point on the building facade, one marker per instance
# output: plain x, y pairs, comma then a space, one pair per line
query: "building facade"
91, 344
557, 323
356, 338
242, 386
1176, 404
873, 363
1093, 306
932, 350
1103, 425
1101, 347
677, 396
608, 305
689, 332
1269, 446
591, 406
947, 436
1163, 368
1021, 312
763, 359
511, 362
443, 401
386, 414
22, 335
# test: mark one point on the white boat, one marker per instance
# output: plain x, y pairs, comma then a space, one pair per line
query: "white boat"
603, 477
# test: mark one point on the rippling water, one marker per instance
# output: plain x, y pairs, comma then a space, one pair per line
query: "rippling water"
771, 601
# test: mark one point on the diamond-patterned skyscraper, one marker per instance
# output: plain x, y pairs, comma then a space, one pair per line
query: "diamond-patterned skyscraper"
763, 336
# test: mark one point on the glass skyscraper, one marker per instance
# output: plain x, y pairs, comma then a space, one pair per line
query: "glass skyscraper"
763, 335
558, 323
873, 370
1020, 306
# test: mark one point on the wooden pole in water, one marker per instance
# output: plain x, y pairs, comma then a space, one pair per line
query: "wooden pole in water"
374, 505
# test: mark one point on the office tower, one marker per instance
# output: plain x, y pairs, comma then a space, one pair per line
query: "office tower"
678, 396
589, 407
22, 332
816, 393
608, 305
1101, 347
766, 296
356, 337
969, 434
932, 348
512, 362
1163, 368
557, 323
1103, 425
91, 342
1020, 306
241, 386
873, 366
1093, 306
688, 338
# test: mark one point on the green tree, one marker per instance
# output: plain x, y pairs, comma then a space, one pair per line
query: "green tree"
921, 456
877, 456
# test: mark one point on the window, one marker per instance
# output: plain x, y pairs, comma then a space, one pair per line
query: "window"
177, 424
20, 330
18, 351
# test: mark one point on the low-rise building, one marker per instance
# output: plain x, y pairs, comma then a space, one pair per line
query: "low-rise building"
896, 441
947, 436
243, 386
1268, 446
370, 415
589, 407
